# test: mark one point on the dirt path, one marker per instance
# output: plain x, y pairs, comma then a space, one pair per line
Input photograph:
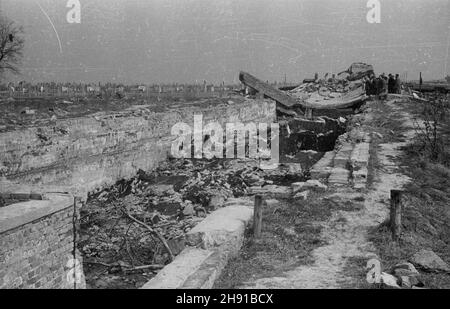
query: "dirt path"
345, 233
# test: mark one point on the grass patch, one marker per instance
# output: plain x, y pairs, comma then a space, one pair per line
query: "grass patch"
290, 232
426, 215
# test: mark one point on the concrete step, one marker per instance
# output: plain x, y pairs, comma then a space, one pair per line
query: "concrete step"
174, 275
339, 176
322, 168
211, 243
359, 157
220, 227
342, 157
359, 162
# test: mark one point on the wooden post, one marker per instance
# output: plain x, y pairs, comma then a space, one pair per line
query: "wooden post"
396, 214
257, 216
309, 113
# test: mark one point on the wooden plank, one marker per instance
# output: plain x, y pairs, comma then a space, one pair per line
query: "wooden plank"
267, 90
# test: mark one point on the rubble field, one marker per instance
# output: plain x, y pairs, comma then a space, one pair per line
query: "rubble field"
119, 252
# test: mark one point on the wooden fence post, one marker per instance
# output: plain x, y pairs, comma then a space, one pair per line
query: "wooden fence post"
309, 113
396, 214
257, 216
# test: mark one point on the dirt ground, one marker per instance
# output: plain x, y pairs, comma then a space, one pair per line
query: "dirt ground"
426, 217
326, 241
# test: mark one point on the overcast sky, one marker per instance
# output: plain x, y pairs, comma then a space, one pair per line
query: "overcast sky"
149, 41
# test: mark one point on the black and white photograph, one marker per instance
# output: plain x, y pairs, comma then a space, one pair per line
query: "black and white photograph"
227, 150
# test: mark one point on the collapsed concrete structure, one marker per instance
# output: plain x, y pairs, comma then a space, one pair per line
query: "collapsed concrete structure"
331, 93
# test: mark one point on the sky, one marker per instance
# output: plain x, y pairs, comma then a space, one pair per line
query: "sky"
188, 41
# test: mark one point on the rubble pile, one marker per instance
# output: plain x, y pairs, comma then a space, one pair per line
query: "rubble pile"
170, 200
327, 87
406, 275
341, 91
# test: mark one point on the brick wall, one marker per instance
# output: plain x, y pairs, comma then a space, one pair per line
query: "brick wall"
37, 245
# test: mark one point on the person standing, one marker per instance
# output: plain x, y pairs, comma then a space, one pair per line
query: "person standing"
384, 86
372, 85
420, 81
379, 86
397, 84
391, 84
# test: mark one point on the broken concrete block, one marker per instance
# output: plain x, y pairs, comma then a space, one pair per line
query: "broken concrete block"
188, 209
294, 168
405, 282
323, 173
315, 184
339, 176
225, 225
359, 157
302, 195
297, 186
429, 261
216, 201
343, 156
389, 281
175, 274
360, 178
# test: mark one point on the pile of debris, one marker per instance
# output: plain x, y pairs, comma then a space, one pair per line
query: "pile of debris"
406, 274
344, 91
137, 226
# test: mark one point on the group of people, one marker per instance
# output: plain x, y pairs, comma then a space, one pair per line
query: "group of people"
382, 85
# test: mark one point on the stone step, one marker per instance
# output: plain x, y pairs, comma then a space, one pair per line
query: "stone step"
359, 161
339, 176
360, 178
221, 226
323, 167
343, 156
175, 274
359, 157
211, 243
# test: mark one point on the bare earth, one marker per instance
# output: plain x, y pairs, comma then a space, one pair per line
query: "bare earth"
346, 232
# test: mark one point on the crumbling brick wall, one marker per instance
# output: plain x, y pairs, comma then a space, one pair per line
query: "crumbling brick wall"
36, 251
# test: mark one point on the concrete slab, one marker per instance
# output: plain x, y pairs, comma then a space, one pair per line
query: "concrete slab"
360, 178
225, 225
211, 268
220, 235
175, 274
360, 156
322, 169
326, 160
342, 157
339, 176
22, 213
